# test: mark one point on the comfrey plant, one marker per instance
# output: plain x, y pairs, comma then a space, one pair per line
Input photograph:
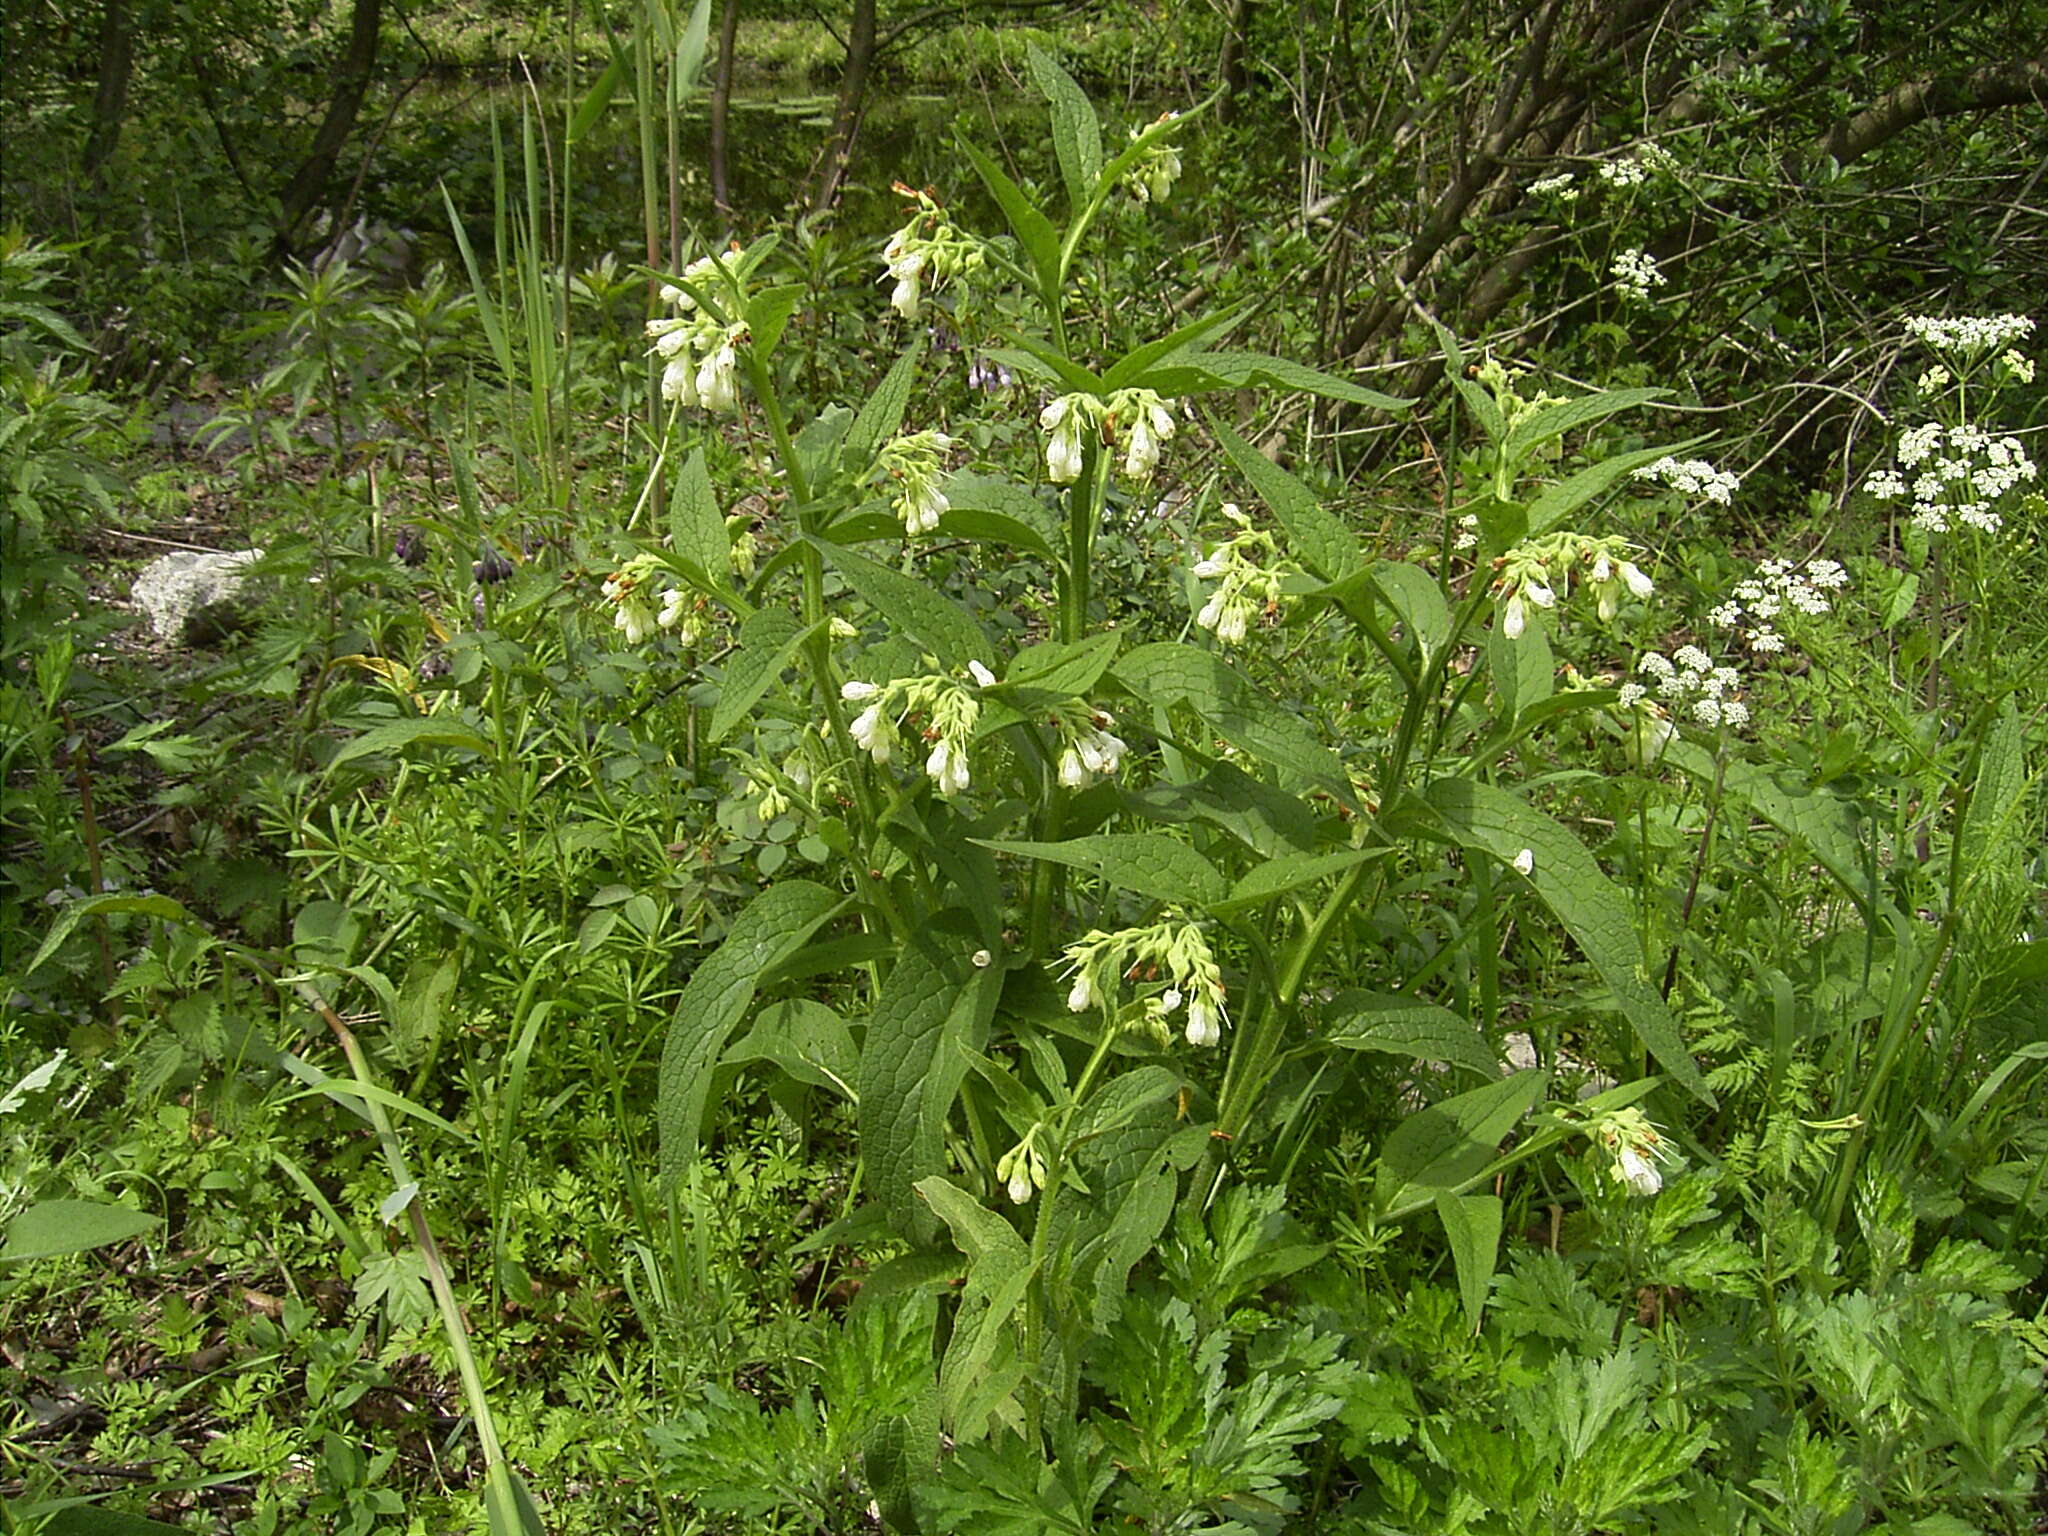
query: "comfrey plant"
1093, 892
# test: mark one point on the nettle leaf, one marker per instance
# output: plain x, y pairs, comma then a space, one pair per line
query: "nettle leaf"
1406, 1026
1149, 863
1594, 911
1289, 872
1324, 544
933, 1013
769, 641
696, 528
1076, 136
914, 608
774, 924
1169, 673
1440, 1149
882, 415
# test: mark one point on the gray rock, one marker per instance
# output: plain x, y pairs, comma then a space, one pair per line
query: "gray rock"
194, 598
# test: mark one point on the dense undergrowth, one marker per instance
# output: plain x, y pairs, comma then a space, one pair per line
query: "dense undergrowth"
911, 913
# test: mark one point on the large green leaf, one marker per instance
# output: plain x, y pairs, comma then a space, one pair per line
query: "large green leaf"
882, 413
805, 1039
1568, 495
769, 641
768, 313
1523, 668
1550, 421
1060, 671
53, 1227
1324, 544
163, 908
915, 608
979, 1370
934, 1009
774, 923
1150, 863
1440, 1149
1472, 1223
1034, 231
1168, 673
1414, 595
1406, 1026
395, 736
1268, 821
1203, 371
1289, 872
1818, 818
696, 529
1592, 908
1076, 136
1131, 371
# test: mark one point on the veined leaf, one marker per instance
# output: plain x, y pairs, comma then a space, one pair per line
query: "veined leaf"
1034, 231
1064, 671
1150, 863
696, 529
882, 414
1568, 495
1472, 1223
1818, 818
1289, 872
53, 1227
1130, 371
1076, 136
808, 1041
768, 641
993, 528
164, 908
1168, 673
768, 313
1524, 671
1324, 544
912, 1062
1555, 420
1242, 370
1407, 1026
1591, 907
773, 924
421, 731
1439, 1149
1416, 598
928, 616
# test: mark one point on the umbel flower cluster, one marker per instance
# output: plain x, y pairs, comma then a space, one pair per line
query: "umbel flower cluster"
1143, 417
929, 250
1693, 477
1779, 587
1536, 574
701, 352
1954, 472
1248, 572
1690, 679
1169, 960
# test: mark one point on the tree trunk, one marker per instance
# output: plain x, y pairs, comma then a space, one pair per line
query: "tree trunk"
721, 106
352, 83
110, 100
853, 100
1230, 63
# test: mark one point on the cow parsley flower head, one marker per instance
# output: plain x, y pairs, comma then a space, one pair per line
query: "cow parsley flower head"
1693, 477
1969, 336
1692, 681
1778, 593
1635, 274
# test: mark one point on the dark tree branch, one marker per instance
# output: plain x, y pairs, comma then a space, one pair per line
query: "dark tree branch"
1984, 89
352, 82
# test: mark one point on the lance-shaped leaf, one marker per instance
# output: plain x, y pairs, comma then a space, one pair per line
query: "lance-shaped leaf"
1289, 872
50, 1228
1440, 1149
934, 1011
397, 735
1541, 425
775, 923
978, 1371
1472, 1223
1076, 136
1150, 863
768, 642
929, 617
1568, 495
1592, 908
1201, 372
1818, 818
882, 415
1406, 1026
1034, 231
696, 528
1060, 671
1168, 673
1324, 544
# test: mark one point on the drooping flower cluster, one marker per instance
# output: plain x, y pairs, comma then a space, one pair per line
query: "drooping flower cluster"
1022, 1168
1961, 475
947, 708
1157, 168
1969, 336
1089, 749
631, 590
1537, 573
1635, 273
1249, 573
1141, 416
1170, 961
913, 462
928, 250
1692, 680
772, 788
701, 352
1694, 477
1756, 605
1636, 1150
